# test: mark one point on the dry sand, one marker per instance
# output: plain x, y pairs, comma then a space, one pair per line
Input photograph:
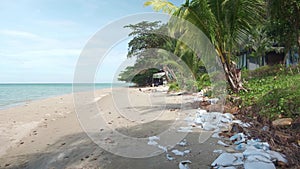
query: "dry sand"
48, 134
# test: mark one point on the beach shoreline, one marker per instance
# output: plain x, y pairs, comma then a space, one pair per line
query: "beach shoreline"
50, 134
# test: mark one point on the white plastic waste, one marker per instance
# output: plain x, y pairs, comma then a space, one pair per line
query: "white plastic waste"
201, 111
250, 151
152, 140
241, 146
210, 121
184, 164
226, 167
213, 100
222, 143
178, 153
239, 137
258, 165
254, 158
198, 99
165, 149
275, 156
186, 151
185, 129
170, 158
228, 159
258, 144
182, 143
208, 126
218, 151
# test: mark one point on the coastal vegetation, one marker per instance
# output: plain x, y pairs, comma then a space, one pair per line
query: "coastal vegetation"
262, 30
254, 27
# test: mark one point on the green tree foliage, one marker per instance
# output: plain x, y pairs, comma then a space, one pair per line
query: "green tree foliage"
142, 46
152, 49
284, 22
142, 78
227, 23
145, 36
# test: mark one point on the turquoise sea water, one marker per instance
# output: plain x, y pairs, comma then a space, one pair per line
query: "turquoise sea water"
15, 94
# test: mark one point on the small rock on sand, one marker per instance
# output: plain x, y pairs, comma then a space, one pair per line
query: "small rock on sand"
282, 122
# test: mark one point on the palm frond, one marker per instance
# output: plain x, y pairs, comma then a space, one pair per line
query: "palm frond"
161, 5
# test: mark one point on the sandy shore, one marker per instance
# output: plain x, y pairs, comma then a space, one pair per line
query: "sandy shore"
48, 134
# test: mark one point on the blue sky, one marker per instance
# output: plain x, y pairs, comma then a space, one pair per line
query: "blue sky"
41, 40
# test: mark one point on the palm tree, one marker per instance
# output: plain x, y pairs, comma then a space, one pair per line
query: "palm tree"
227, 23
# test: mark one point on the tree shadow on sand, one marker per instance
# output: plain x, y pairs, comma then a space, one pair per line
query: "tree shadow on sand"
79, 151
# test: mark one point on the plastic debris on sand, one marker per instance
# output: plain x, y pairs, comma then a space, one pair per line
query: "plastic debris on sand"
184, 164
152, 140
182, 143
222, 143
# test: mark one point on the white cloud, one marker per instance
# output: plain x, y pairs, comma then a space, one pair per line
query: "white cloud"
23, 37
43, 53
21, 34
59, 23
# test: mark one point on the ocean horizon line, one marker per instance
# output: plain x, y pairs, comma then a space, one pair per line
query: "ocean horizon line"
12, 94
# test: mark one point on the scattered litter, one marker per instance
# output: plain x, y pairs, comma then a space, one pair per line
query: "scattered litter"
230, 150
183, 142
226, 167
225, 120
208, 126
240, 138
218, 151
254, 151
152, 140
153, 143
246, 125
184, 164
256, 155
210, 121
201, 111
228, 115
241, 147
185, 129
178, 153
189, 119
258, 164
258, 144
260, 158
275, 156
163, 148
170, 158
181, 153
222, 143
198, 99
213, 100
228, 159
265, 128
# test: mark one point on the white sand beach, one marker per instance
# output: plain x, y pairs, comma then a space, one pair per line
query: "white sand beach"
47, 133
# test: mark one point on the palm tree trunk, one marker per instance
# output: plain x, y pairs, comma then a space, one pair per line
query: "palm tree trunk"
168, 71
233, 75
